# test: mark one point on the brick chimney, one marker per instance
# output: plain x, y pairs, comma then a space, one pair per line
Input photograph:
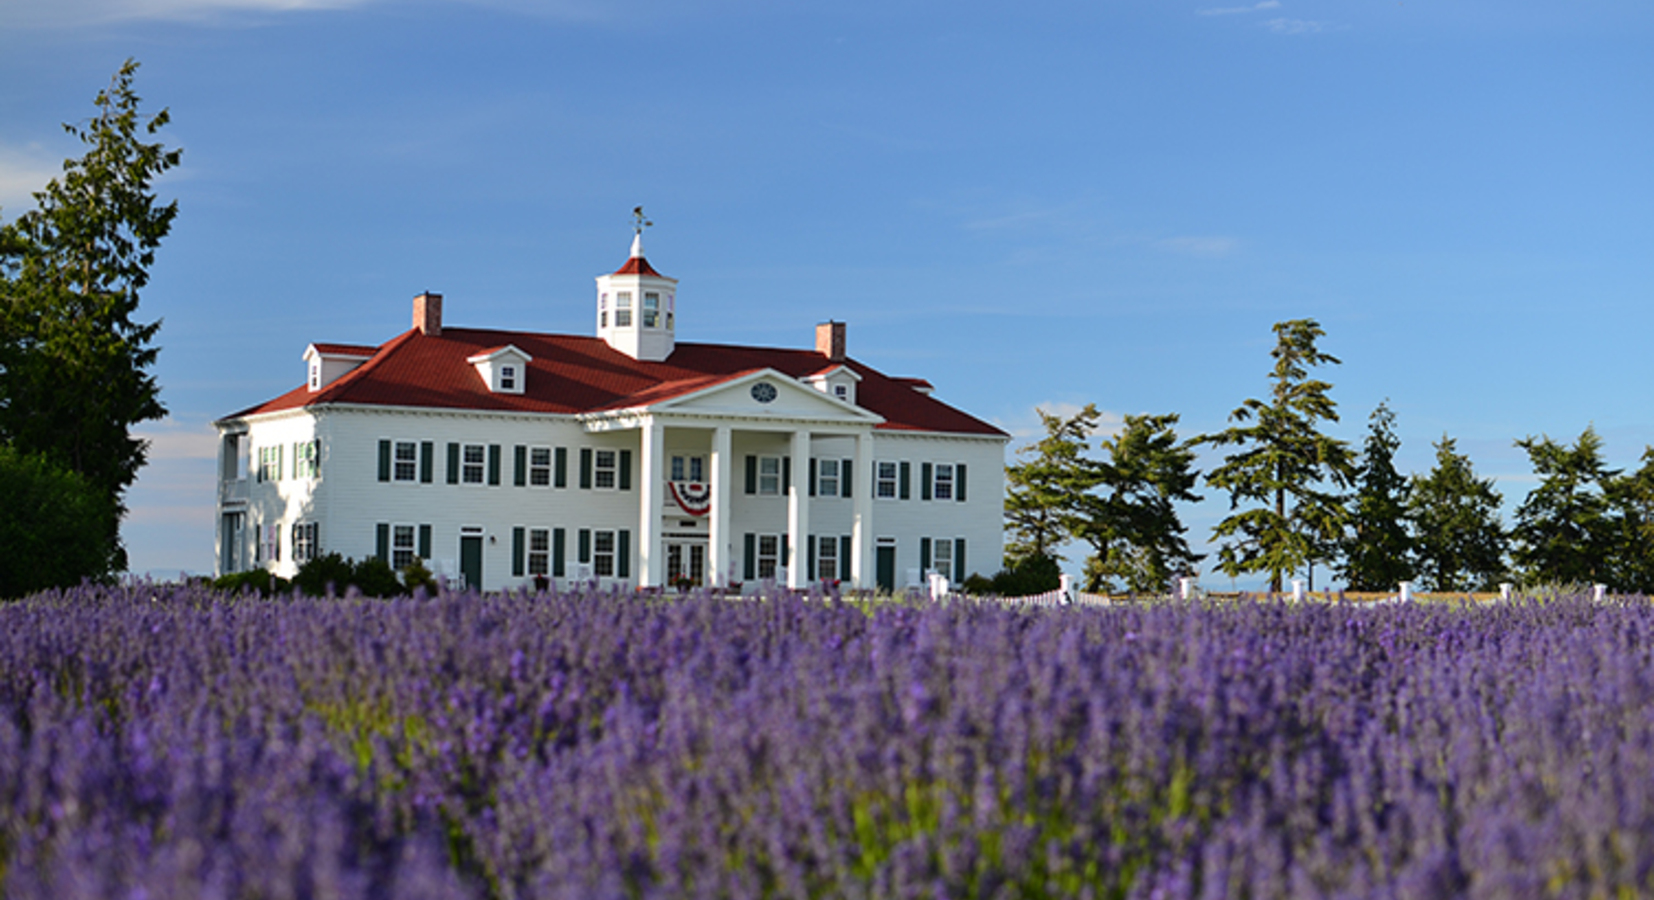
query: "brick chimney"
830, 340
427, 314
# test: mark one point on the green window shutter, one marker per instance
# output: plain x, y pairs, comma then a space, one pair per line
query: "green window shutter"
749, 559
925, 474
809, 559
786, 477
494, 464
382, 541
904, 474
518, 537
752, 477
584, 554
425, 542
845, 467
812, 478
959, 560
924, 554
585, 470
316, 458
959, 482
560, 476
281, 458
384, 462
558, 543
623, 554
844, 558
519, 468
453, 463
784, 558
427, 461
625, 475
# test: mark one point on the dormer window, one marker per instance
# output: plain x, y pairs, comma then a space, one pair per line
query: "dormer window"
623, 309
841, 391
504, 370
651, 310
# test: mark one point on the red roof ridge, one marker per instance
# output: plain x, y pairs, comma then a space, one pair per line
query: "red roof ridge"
345, 349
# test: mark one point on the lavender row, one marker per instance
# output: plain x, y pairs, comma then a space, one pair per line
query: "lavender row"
177, 743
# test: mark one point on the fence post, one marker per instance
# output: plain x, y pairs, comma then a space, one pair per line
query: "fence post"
1066, 586
1406, 591
1505, 588
1297, 590
1599, 592
1185, 588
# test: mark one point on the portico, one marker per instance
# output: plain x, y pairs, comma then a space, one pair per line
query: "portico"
773, 430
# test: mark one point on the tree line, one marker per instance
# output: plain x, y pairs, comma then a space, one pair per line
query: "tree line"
1299, 497
74, 359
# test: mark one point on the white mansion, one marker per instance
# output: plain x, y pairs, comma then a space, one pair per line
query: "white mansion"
500, 456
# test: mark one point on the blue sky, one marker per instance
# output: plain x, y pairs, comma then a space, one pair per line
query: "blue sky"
1031, 205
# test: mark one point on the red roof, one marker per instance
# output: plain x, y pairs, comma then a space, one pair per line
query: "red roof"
637, 265
574, 374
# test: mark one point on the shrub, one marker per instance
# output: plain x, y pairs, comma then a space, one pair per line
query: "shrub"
325, 575
54, 526
261, 581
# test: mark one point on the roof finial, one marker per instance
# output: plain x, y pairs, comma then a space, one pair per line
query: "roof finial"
638, 224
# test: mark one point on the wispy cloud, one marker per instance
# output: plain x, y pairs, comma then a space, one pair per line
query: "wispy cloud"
57, 14
1209, 247
1295, 26
172, 439
24, 170
1233, 10
1029, 427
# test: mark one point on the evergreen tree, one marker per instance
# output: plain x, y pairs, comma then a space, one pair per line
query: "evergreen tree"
1631, 499
52, 526
1283, 463
1040, 494
1457, 536
73, 360
1377, 551
1565, 531
1128, 518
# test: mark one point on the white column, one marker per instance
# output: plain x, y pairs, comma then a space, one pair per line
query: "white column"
651, 565
798, 510
718, 555
862, 487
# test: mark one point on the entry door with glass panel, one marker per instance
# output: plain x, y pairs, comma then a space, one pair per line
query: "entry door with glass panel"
686, 560
470, 557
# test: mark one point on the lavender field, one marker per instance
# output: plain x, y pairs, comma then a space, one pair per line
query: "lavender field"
180, 744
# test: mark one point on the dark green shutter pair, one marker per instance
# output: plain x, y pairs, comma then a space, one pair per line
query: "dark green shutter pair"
382, 542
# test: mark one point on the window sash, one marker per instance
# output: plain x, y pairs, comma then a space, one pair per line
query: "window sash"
604, 468
402, 546
473, 457
603, 554
826, 557
941, 557
769, 555
769, 475
886, 481
942, 485
539, 466
539, 551
405, 466
827, 477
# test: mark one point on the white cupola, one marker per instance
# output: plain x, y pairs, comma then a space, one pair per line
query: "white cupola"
637, 306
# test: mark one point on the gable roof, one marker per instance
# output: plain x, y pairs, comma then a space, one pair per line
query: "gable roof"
571, 374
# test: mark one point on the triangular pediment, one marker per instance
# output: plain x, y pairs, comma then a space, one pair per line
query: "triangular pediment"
765, 393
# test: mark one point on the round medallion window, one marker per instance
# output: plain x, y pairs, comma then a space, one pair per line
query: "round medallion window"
763, 392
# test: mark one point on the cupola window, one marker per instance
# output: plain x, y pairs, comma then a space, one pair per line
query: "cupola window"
651, 310
623, 309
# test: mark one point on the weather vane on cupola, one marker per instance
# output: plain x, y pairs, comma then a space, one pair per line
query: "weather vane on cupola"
638, 221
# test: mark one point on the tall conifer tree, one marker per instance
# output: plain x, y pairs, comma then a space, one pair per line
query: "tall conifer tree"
1377, 551
73, 358
1285, 464
1457, 536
